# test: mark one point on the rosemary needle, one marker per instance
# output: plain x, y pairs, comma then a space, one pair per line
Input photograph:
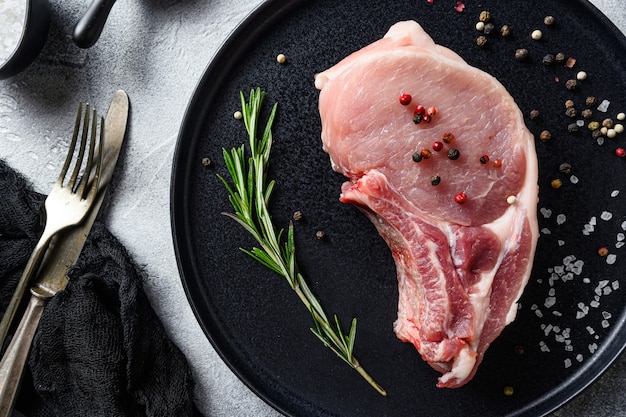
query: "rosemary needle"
249, 194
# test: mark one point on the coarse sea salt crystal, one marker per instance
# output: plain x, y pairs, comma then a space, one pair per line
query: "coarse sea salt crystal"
615, 193
604, 106
560, 219
606, 215
611, 258
12, 19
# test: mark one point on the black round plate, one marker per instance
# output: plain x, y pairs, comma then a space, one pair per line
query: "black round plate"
570, 323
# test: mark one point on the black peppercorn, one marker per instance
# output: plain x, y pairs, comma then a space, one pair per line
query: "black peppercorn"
572, 128
521, 54
548, 59
489, 27
571, 112
435, 180
417, 118
571, 84
417, 157
565, 168
590, 101
454, 154
534, 114
560, 57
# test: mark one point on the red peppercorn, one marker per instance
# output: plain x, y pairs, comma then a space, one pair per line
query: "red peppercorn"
448, 137
620, 152
497, 163
419, 109
460, 198
426, 153
437, 146
427, 118
431, 111
405, 99
484, 159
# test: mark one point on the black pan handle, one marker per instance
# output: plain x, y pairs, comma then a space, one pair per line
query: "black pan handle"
89, 27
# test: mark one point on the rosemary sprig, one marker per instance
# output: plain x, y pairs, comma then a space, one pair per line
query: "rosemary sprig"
250, 193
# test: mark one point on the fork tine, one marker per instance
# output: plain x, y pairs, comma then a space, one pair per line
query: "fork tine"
96, 184
89, 166
81, 152
70, 152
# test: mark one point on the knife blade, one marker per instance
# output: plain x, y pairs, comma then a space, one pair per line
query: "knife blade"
61, 255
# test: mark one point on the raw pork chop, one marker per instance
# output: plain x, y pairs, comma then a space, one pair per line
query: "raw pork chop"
462, 259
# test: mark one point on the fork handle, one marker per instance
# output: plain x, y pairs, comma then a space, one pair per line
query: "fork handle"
14, 360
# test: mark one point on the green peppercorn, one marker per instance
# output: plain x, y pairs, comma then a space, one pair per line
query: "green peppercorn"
484, 16
593, 125
454, 154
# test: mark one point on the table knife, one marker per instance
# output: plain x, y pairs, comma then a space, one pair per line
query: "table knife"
60, 257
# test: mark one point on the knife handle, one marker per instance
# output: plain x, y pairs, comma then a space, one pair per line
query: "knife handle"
14, 360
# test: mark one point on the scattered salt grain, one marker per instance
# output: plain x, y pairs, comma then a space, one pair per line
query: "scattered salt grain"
550, 301
12, 19
567, 363
593, 347
605, 324
560, 219
615, 193
547, 213
573, 179
543, 346
579, 357
615, 285
611, 258
606, 216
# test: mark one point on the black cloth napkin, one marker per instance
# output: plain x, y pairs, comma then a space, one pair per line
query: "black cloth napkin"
100, 349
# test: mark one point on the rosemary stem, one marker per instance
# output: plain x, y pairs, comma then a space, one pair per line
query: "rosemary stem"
250, 198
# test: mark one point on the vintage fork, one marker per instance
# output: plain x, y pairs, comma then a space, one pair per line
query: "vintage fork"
66, 205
